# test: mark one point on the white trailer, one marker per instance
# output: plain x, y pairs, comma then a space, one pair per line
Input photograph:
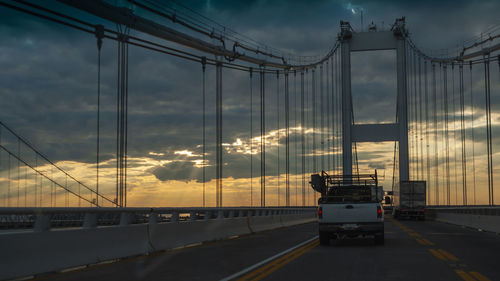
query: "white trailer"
409, 199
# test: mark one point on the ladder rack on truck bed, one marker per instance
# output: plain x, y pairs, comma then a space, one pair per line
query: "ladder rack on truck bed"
324, 183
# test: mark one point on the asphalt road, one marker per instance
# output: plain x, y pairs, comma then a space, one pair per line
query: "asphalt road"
413, 250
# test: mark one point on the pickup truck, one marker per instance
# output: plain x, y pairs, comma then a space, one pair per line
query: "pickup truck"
349, 206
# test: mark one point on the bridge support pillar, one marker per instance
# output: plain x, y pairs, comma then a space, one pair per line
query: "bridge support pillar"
351, 41
404, 168
345, 61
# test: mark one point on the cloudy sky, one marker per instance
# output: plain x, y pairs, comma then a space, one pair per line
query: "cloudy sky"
48, 95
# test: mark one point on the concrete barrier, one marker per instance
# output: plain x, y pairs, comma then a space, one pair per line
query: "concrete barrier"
293, 219
484, 222
30, 253
27, 253
263, 223
171, 235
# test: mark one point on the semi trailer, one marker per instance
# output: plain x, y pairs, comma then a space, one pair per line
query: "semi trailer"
409, 200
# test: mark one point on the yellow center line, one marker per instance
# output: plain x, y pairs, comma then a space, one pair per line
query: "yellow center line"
464, 275
479, 276
444, 256
277, 261
437, 254
427, 241
448, 255
422, 241
279, 265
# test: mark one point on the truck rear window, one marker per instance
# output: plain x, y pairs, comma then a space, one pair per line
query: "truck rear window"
349, 194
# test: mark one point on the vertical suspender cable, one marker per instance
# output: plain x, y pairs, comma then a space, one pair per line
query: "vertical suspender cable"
125, 156
262, 141
287, 126
410, 125
19, 172
338, 96
118, 120
447, 141
322, 120
313, 108
489, 146
122, 123
472, 116
295, 134
9, 179
99, 33
5, 196
66, 193
420, 122
453, 99
332, 116
442, 146
278, 129
410, 115
26, 187
218, 130
203, 68
334, 111
307, 122
427, 150
328, 129
36, 183
462, 133
356, 162
302, 137
122, 118
415, 112
251, 137
41, 192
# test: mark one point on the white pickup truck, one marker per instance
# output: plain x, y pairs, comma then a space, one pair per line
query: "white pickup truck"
349, 206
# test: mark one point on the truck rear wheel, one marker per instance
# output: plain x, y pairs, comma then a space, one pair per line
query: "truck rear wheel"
324, 238
379, 238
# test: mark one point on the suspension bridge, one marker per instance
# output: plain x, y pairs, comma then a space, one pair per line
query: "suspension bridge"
296, 110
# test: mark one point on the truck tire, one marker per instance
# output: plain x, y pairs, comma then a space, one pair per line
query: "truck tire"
379, 238
324, 238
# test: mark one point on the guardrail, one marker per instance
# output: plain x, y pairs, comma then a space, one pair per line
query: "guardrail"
39, 240
471, 210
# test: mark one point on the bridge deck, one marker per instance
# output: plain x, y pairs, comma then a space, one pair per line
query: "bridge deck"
414, 250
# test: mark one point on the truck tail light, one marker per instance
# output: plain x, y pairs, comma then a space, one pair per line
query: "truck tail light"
320, 212
379, 212
422, 210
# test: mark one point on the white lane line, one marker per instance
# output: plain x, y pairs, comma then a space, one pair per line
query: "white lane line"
259, 264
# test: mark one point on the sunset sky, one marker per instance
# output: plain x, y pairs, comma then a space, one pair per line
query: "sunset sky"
48, 94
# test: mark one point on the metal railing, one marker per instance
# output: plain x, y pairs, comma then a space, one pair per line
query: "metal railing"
471, 210
43, 219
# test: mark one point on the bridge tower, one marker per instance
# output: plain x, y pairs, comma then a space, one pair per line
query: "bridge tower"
350, 41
